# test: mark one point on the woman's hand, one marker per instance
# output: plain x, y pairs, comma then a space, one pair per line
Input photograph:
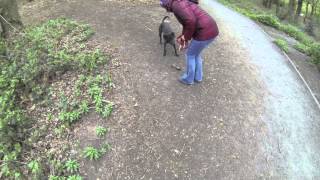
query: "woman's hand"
183, 44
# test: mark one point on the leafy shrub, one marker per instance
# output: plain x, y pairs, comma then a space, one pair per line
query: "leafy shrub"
101, 131
315, 53
35, 168
297, 34
302, 48
72, 166
282, 44
91, 153
268, 20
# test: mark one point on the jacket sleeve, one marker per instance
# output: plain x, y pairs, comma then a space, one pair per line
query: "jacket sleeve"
187, 19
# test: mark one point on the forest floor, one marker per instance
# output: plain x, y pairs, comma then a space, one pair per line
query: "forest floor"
223, 128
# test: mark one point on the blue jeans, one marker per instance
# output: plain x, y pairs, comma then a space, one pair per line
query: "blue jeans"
194, 61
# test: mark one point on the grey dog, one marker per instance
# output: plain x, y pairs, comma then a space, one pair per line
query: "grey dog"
168, 35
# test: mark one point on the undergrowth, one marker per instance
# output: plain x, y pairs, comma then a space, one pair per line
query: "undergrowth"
306, 43
30, 62
282, 44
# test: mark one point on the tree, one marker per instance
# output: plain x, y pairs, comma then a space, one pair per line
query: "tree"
267, 3
299, 8
9, 14
292, 8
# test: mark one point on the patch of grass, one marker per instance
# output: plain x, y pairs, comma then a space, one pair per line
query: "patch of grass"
72, 166
282, 44
91, 153
297, 34
75, 177
95, 91
315, 53
101, 131
302, 48
35, 168
57, 166
51, 177
30, 62
268, 20
105, 148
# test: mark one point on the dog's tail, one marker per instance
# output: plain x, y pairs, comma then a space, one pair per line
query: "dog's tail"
166, 17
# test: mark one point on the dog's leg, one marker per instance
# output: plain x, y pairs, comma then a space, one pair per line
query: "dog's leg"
175, 49
164, 49
160, 33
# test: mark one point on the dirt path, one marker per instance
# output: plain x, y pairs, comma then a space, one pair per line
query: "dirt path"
162, 129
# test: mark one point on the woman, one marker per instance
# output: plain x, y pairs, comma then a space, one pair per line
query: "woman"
199, 27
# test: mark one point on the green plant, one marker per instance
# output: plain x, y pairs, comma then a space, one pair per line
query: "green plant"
282, 44
35, 167
72, 166
75, 177
315, 53
101, 131
107, 110
108, 80
50, 116
267, 19
297, 34
56, 166
105, 148
51, 177
69, 117
302, 48
91, 153
84, 107
59, 131
63, 104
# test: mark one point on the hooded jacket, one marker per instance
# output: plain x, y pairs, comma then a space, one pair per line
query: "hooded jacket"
197, 24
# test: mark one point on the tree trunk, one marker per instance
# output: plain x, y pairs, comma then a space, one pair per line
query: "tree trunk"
299, 8
267, 3
9, 11
307, 11
277, 7
291, 11
270, 3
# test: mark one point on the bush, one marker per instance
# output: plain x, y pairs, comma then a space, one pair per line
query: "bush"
297, 34
315, 53
302, 48
268, 20
282, 44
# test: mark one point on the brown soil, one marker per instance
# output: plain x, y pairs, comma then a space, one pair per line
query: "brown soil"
161, 129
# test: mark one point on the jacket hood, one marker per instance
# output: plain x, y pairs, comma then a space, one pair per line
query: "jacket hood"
166, 4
